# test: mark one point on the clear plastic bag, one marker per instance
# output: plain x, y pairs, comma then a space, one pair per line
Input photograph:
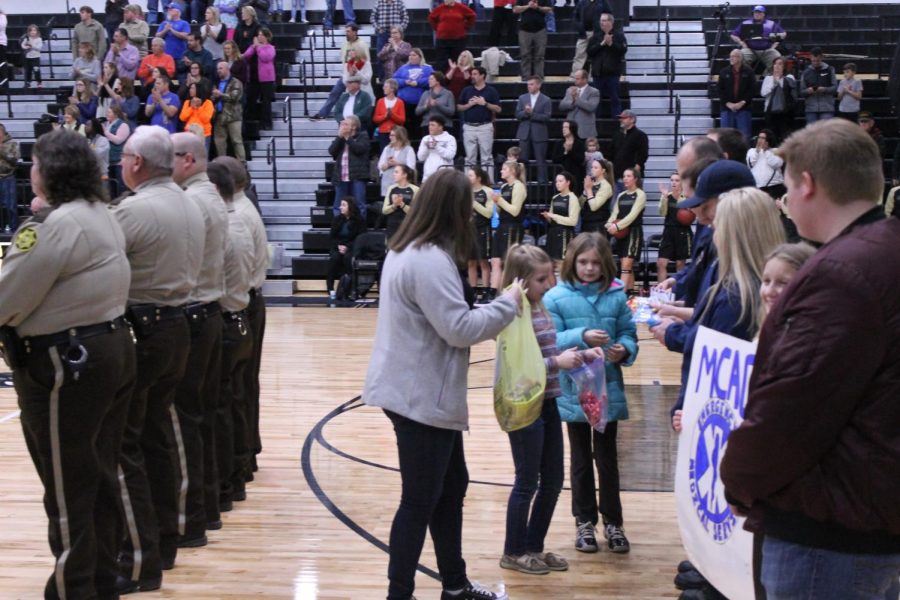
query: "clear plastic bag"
520, 376
642, 311
590, 381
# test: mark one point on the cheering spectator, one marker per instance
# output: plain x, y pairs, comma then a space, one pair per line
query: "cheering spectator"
85, 100
116, 129
390, 111
86, 66
346, 6
388, 15
247, 29
261, 87
849, 93
196, 53
607, 51
123, 95
437, 149
105, 95
70, 120
198, 110
451, 22
766, 165
394, 53
350, 151
532, 35
360, 66
580, 103
354, 102
436, 102
630, 146
137, 28
113, 13
352, 42
569, 154
93, 131
174, 32
479, 104
533, 113
90, 32
736, 88
214, 33
780, 93
123, 55
31, 46
194, 75
587, 17
162, 105
397, 152
236, 63
818, 85
412, 78
229, 116
764, 48
157, 59
460, 73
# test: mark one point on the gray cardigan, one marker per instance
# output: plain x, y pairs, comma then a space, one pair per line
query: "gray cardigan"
420, 358
445, 107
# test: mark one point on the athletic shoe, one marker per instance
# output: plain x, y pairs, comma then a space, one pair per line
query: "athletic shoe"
685, 566
615, 539
690, 580
554, 562
585, 540
527, 563
473, 591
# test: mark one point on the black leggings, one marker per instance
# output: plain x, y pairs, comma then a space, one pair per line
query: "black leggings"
338, 264
586, 443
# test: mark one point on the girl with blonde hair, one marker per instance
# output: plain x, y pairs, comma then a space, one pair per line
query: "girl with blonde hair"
510, 203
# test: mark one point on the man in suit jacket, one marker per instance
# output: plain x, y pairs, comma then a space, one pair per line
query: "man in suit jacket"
533, 112
580, 105
354, 102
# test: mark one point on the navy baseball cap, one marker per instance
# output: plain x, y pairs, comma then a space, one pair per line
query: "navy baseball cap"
718, 178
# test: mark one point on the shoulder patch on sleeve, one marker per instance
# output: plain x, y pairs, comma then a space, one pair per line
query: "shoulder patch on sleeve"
26, 239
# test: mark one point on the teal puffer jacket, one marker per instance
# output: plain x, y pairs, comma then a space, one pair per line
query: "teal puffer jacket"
579, 307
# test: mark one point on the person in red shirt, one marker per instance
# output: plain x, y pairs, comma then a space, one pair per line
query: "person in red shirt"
451, 22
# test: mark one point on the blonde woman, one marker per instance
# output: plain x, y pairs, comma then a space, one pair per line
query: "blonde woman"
459, 75
510, 203
598, 191
214, 33
626, 224
397, 152
86, 66
745, 230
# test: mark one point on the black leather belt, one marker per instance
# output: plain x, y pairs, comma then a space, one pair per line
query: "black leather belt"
197, 313
39, 343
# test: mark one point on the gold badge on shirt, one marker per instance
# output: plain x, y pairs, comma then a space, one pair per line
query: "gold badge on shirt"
26, 239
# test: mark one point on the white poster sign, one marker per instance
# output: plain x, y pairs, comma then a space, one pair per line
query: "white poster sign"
714, 401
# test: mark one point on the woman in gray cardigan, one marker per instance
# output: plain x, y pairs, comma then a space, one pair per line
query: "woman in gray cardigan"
438, 101
417, 374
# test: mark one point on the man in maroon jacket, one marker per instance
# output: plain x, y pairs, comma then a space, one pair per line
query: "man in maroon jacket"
816, 462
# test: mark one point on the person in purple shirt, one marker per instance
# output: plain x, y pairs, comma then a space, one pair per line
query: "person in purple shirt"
163, 105
122, 54
765, 48
174, 32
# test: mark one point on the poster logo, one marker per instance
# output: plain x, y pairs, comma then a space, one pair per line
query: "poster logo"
715, 422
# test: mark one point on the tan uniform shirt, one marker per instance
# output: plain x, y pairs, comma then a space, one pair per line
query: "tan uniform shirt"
254, 222
238, 263
164, 238
67, 271
211, 281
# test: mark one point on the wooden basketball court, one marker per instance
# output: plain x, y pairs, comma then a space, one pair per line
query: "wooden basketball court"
317, 518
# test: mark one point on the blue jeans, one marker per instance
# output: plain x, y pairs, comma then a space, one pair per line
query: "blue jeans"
152, 11
380, 40
794, 572
346, 5
198, 11
333, 98
812, 117
434, 479
549, 22
538, 455
741, 120
609, 87
302, 4
355, 188
8, 202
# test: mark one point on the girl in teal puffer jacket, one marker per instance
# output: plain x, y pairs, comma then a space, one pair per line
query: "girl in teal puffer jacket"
589, 310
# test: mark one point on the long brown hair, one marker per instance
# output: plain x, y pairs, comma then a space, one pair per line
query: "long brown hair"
585, 242
441, 216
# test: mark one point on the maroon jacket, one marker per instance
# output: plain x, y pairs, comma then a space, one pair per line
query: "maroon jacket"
817, 458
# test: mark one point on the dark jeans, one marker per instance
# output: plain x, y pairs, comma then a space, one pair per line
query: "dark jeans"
445, 50
587, 443
333, 96
256, 314
434, 481
538, 455
503, 20
540, 157
609, 88
355, 188
380, 40
349, 15
73, 430
32, 69
259, 102
792, 571
8, 202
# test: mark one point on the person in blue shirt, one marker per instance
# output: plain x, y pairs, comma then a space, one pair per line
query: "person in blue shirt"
174, 32
163, 105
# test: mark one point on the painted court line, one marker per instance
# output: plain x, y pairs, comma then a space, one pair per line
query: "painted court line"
10, 416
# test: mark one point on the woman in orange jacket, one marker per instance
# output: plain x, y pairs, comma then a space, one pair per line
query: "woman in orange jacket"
389, 112
198, 110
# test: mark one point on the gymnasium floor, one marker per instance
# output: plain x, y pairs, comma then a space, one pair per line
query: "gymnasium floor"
318, 515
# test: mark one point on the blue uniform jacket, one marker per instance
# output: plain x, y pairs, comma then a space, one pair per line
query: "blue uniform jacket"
576, 308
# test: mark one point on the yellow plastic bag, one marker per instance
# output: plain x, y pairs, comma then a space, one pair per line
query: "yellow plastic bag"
520, 375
